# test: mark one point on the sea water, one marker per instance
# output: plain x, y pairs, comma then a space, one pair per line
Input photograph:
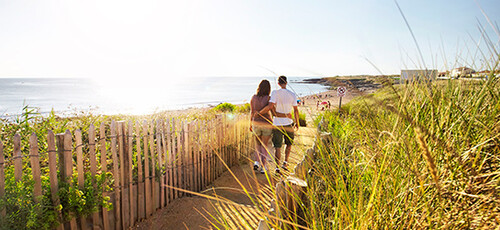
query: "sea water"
132, 96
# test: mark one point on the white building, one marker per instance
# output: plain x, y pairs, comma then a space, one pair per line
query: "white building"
418, 74
461, 72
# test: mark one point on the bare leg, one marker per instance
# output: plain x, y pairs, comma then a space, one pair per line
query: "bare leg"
264, 150
257, 148
288, 149
277, 156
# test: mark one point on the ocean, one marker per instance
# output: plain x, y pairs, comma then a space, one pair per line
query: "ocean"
66, 96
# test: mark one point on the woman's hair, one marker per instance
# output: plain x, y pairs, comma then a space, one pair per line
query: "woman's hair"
264, 88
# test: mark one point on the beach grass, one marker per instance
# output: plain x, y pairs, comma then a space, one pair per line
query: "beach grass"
420, 155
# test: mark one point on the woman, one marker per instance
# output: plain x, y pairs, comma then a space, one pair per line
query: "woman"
261, 124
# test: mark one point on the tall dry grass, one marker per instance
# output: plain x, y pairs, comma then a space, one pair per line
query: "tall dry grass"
421, 155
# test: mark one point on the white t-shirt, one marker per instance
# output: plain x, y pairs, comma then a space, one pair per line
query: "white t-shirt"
285, 100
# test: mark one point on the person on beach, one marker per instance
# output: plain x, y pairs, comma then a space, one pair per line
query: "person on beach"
282, 102
261, 124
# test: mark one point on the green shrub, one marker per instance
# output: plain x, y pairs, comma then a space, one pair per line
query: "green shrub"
245, 108
224, 107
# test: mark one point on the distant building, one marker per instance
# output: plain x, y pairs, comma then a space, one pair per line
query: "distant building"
462, 72
418, 75
443, 74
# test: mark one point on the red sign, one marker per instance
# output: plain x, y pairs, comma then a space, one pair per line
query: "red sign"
341, 91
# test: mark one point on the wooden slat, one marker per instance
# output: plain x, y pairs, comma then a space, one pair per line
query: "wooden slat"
123, 181
35, 167
211, 149
129, 169
186, 154
68, 165
169, 158
219, 147
147, 185
194, 155
153, 166
116, 176
140, 177
180, 160
54, 179
215, 144
159, 153
165, 161
191, 156
224, 141
104, 169
2, 177
223, 148
175, 157
93, 170
80, 171
205, 153
192, 140
197, 157
200, 158
18, 161
79, 158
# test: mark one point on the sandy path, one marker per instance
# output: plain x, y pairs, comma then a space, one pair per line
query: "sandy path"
198, 213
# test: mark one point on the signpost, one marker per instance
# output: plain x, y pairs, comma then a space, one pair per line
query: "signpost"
341, 91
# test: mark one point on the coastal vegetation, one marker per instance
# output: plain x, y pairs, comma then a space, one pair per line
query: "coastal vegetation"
228, 107
420, 155
20, 209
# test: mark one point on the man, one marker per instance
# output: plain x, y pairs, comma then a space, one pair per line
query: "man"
282, 102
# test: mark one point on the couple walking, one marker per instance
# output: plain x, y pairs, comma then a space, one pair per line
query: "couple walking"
271, 116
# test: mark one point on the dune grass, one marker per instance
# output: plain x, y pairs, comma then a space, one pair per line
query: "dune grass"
421, 155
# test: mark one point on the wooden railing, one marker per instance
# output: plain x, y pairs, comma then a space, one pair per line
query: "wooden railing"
148, 160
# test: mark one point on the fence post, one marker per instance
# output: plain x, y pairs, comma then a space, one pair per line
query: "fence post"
104, 169
2, 177
129, 163
116, 176
67, 164
140, 177
159, 153
198, 156
180, 160
213, 149
18, 161
169, 159
79, 167
165, 162
176, 152
153, 167
203, 164
147, 183
187, 154
93, 169
35, 167
161, 197
54, 187
196, 167
123, 180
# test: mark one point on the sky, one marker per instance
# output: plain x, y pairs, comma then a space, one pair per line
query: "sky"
124, 39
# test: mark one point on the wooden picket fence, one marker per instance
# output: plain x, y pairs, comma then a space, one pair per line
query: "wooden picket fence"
187, 154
